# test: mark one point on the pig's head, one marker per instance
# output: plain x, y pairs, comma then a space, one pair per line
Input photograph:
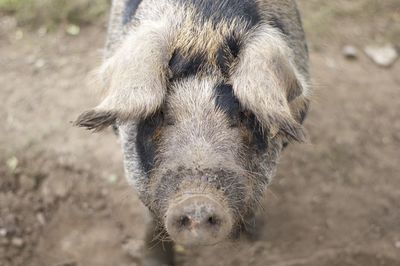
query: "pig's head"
201, 127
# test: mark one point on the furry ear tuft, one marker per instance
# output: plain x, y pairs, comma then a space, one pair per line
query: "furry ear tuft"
96, 120
287, 127
133, 80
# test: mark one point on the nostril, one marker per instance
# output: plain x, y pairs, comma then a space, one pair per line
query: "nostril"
198, 220
184, 221
212, 220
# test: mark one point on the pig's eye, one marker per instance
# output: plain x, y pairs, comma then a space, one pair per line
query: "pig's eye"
115, 128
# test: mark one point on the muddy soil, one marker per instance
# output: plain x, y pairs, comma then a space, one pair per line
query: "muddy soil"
64, 200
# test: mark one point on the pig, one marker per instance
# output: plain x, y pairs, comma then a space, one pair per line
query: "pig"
204, 95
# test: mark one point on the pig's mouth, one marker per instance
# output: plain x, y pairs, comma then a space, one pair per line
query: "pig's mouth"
199, 219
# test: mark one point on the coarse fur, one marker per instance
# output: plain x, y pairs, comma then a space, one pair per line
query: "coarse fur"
265, 54
205, 94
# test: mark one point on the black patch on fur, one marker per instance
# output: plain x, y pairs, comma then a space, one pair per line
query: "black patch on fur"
228, 10
233, 44
260, 139
96, 120
145, 144
223, 61
277, 23
225, 100
226, 54
183, 66
130, 10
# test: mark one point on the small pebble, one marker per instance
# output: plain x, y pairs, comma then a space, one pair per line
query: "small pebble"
397, 244
55, 188
73, 29
383, 56
12, 163
113, 178
40, 63
42, 31
134, 248
350, 52
331, 63
17, 242
3, 232
19, 34
180, 249
40, 218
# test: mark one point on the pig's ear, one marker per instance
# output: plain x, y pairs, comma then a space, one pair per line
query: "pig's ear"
133, 81
96, 120
266, 82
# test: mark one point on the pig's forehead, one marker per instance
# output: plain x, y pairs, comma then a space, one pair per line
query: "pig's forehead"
195, 96
192, 90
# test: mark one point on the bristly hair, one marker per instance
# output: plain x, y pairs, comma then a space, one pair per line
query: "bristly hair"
288, 128
96, 120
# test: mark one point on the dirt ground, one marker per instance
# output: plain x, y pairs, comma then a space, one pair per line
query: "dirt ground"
334, 202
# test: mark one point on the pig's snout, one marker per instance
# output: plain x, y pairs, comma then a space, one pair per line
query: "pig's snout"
198, 220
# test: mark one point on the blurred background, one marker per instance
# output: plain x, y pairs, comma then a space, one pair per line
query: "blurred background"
63, 197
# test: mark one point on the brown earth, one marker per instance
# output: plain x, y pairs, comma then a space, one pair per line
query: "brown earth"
334, 202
